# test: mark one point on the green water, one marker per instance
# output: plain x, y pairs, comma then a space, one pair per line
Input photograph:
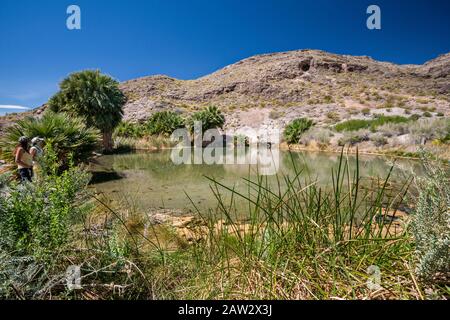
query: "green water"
151, 180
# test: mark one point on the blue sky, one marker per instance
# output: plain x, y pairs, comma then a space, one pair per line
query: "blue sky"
190, 38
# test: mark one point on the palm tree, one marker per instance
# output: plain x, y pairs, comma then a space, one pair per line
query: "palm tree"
210, 117
68, 136
93, 96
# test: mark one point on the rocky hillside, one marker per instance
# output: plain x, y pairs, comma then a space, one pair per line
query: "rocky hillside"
264, 89
282, 86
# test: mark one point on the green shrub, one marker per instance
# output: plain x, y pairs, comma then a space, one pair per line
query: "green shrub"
34, 217
358, 124
67, 135
296, 128
427, 114
211, 118
365, 111
164, 123
129, 130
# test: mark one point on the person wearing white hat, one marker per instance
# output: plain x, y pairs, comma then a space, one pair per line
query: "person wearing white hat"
36, 151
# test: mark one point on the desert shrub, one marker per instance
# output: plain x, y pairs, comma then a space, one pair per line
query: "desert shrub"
365, 111
296, 128
427, 114
440, 114
354, 137
429, 129
333, 116
321, 136
164, 123
67, 135
431, 222
275, 115
328, 99
378, 139
393, 129
211, 118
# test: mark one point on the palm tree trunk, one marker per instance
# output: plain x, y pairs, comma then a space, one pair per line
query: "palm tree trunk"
107, 140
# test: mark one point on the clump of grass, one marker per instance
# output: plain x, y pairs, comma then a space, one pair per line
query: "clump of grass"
357, 124
301, 241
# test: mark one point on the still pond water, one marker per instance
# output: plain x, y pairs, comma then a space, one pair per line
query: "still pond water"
151, 180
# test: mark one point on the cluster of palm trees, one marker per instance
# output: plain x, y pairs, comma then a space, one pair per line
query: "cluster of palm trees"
85, 111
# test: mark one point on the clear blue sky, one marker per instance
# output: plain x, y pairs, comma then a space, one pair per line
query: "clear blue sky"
190, 38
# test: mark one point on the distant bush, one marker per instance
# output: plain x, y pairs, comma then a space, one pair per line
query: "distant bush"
333, 116
275, 115
440, 114
378, 139
296, 128
358, 124
393, 129
365, 111
164, 123
429, 129
354, 137
427, 114
321, 136
328, 99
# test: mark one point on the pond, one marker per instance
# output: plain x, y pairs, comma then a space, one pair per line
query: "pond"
147, 180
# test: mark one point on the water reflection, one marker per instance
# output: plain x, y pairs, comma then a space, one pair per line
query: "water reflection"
152, 180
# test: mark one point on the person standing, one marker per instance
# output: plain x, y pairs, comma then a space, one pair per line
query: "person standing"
36, 151
24, 160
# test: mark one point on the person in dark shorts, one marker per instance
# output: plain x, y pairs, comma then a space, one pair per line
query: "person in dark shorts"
24, 160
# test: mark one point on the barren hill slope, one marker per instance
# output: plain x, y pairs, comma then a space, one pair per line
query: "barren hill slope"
281, 86
305, 82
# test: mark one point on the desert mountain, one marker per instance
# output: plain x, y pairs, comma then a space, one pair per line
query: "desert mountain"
324, 86
281, 86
